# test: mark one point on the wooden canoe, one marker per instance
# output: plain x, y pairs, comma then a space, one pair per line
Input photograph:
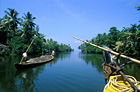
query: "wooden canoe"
34, 62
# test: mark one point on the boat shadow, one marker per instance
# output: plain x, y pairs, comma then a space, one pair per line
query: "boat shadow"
29, 68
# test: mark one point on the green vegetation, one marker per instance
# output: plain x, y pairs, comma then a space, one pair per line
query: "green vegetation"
125, 41
58, 47
17, 33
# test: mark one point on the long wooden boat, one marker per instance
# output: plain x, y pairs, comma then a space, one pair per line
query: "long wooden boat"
34, 62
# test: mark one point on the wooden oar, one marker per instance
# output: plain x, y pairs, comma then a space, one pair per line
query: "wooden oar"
27, 50
115, 53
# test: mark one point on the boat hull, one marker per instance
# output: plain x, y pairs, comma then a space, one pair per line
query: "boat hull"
31, 64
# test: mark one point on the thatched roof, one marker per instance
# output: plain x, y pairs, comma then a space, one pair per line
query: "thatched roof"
2, 45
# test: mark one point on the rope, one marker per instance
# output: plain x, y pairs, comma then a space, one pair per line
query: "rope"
118, 84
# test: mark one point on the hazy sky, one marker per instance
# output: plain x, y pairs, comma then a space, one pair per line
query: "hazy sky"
62, 19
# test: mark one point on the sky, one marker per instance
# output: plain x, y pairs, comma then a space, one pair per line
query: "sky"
62, 19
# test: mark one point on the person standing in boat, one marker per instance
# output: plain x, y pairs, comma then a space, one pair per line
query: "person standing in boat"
25, 56
53, 52
2, 51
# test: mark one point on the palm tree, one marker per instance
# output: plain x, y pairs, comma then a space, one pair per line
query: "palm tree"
11, 21
132, 36
138, 7
28, 26
128, 40
1, 24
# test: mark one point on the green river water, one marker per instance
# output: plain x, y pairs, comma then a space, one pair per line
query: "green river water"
68, 72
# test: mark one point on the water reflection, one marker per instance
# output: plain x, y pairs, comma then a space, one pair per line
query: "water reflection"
26, 80
1, 59
7, 74
17, 80
62, 74
131, 69
95, 60
63, 55
22, 80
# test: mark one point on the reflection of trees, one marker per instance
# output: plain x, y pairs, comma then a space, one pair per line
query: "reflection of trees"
95, 60
7, 76
15, 81
63, 55
131, 69
28, 77
26, 80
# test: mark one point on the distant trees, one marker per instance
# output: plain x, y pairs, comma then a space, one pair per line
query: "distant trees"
17, 33
102, 40
51, 44
126, 41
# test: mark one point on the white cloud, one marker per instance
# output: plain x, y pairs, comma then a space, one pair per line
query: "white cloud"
72, 12
77, 42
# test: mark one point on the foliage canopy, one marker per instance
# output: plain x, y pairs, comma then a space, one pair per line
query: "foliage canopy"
17, 34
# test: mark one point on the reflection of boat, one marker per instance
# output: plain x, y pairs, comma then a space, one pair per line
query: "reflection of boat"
22, 71
34, 62
116, 80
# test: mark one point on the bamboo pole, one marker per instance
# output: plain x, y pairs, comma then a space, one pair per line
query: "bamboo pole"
115, 53
29, 45
27, 50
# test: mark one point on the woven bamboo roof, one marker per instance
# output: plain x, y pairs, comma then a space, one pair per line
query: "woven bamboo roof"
2, 45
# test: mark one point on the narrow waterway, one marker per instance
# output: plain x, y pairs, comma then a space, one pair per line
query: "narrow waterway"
68, 72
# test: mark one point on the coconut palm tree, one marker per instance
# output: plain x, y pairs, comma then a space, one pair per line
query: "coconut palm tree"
138, 7
11, 21
1, 24
28, 26
128, 40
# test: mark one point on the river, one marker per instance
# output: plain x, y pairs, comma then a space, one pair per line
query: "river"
68, 72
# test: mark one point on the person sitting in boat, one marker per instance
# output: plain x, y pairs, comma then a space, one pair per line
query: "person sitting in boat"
25, 56
53, 52
2, 51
